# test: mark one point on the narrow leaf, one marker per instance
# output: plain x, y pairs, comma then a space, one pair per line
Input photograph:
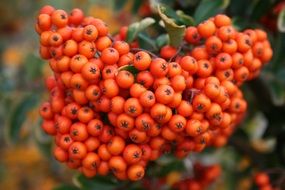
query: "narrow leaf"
208, 8
174, 31
129, 68
136, 6
146, 22
185, 19
281, 21
18, 116
65, 187
162, 40
98, 182
146, 42
119, 4
137, 27
132, 32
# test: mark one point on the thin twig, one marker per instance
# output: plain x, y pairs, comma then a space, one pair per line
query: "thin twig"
184, 46
140, 49
175, 55
275, 171
111, 37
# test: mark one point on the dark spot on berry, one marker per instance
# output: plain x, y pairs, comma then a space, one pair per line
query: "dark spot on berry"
44, 109
73, 111
89, 31
146, 125
55, 38
94, 165
75, 150
98, 126
200, 107
138, 57
124, 124
227, 74
93, 70
133, 138
66, 139
77, 58
62, 16
136, 155
206, 65
74, 133
179, 125
150, 97
167, 91
77, 86
132, 109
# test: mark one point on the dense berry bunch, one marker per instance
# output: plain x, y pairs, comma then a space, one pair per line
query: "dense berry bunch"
203, 177
104, 117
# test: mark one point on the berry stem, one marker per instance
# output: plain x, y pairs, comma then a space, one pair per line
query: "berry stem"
177, 52
140, 49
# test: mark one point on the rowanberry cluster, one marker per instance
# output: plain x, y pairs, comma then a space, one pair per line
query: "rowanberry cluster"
203, 177
262, 180
106, 118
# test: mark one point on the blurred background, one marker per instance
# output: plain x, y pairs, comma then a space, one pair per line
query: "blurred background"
25, 158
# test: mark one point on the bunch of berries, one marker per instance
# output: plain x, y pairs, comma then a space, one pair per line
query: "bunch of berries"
105, 117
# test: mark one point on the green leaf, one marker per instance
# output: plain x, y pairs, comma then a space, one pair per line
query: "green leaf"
98, 182
237, 8
185, 19
132, 32
174, 31
146, 42
129, 68
162, 40
240, 23
277, 90
136, 6
280, 75
65, 187
18, 116
208, 8
119, 4
278, 57
176, 165
33, 67
281, 21
137, 27
43, 141
260, 7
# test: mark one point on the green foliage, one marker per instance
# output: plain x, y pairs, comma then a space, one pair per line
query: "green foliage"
185, 19
99, 182
42, 140
174, 31
33, 67
65, 187
146, 42
137, 27
18, 116
281, 21
208, 8
259, 8
119, 4
162, 40
129, 68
